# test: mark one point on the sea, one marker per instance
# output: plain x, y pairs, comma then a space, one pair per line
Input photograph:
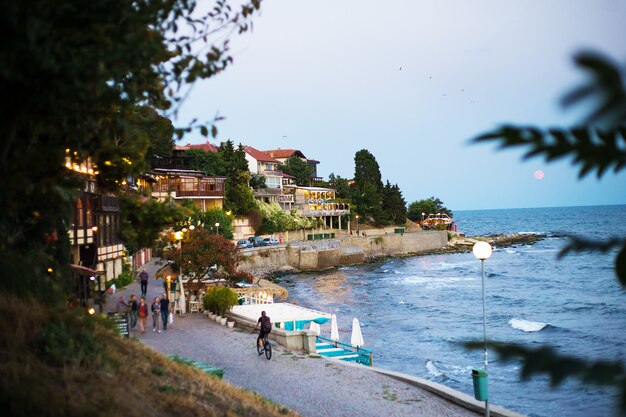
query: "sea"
416, 313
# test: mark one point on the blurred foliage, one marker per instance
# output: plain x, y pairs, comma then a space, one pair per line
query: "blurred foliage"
257, 181
598, 144
75, 79
144, 218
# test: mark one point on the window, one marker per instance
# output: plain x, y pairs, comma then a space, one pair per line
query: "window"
273, 182
80, 213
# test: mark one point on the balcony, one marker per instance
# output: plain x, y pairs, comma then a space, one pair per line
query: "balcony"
186, 187
108, 203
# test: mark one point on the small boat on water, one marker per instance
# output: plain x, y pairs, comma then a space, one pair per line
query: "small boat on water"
436, 221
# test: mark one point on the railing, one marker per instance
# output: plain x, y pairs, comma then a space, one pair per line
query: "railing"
199, 193
108, 203
365, 355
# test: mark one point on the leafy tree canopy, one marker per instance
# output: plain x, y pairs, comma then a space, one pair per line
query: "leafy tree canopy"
200, 251
299, 169
431, 205
341, 186
210, 162
257, 181
74, 74
207, 220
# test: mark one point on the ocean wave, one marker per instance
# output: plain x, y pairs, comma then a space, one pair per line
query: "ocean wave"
527, 326
434, 371
511, 251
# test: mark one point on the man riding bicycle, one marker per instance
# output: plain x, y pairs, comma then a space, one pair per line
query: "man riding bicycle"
266, 328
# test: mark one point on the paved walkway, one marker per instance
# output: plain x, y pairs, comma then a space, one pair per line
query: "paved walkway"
313, 387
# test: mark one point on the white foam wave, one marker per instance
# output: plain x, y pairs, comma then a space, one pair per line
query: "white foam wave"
433, 370
511, 251
527, 326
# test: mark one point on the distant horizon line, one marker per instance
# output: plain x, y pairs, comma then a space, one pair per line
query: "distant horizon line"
542, 207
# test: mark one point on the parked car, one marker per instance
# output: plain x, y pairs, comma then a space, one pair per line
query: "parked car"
243, 244
270, 241
256, 241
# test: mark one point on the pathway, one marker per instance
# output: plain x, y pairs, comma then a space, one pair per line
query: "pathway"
311, 386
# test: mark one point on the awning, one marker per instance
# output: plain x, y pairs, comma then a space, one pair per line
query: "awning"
83, 270
294, 317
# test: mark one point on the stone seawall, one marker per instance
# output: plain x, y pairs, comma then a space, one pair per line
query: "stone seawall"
331, 253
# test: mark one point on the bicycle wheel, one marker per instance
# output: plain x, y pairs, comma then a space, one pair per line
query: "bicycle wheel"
268, 350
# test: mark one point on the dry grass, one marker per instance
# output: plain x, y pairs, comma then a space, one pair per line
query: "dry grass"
61, 363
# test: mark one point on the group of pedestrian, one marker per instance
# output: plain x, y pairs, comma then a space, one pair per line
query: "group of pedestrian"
138, 310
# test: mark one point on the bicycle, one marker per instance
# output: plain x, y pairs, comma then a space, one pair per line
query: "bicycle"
267, 348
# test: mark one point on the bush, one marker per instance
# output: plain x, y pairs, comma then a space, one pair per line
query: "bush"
220, 300
123, 279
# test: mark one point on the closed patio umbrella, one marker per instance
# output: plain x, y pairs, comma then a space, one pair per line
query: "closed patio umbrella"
315, 327
356, 340
334, 331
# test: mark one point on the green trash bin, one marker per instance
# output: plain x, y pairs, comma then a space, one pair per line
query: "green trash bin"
479, 377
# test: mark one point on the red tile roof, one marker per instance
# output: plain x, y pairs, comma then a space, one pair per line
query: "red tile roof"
206, 147
285, 153
259, 155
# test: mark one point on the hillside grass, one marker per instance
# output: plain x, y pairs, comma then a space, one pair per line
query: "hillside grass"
57, 362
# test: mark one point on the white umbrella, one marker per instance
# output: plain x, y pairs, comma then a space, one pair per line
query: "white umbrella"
334, 332
356, 340
181, 298
315, 327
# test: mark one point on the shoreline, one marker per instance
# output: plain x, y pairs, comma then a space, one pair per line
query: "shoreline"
457, 244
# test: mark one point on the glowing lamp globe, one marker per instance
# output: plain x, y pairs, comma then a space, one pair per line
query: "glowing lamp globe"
178, 235
482, 250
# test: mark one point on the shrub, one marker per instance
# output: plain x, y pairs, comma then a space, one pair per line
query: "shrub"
210, 300
226, 299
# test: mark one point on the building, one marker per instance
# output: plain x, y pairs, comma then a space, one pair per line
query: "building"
320, 203
281, 155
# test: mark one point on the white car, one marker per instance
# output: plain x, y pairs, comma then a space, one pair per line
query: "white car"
270, 241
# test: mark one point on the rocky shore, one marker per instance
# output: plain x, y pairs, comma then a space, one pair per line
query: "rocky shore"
458, 244
462, 244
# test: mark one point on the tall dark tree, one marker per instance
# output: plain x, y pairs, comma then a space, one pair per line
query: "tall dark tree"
394, 204
299, 169
368, 193
341, 186
211, 163
238, 195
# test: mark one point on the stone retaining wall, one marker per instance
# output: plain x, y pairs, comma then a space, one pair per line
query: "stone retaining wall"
330, 253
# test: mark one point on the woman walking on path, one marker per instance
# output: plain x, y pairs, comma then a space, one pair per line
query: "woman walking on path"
156, 314
165, 310
142, 311
133, 312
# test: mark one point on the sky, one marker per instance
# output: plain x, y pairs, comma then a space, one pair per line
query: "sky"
413, 82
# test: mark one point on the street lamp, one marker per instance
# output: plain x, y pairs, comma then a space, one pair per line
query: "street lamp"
357, 224
179, 236
482, 251
422, 223
217, 227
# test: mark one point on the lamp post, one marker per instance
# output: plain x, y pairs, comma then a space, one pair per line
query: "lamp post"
357, 224
179, 236
217, 227
422, 223
482, 251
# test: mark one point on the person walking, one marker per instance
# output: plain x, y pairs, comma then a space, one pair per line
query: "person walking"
143, 278
142, 313
156, 314
165, 310
122, 305
133, 312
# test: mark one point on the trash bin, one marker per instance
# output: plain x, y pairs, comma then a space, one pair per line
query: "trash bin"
479, 377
